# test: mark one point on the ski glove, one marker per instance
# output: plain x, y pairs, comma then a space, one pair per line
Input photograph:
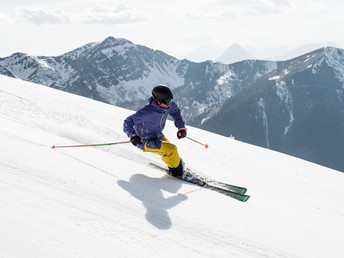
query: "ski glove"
181, 133
135, 139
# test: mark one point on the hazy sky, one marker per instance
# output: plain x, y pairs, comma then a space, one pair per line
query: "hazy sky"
53, 27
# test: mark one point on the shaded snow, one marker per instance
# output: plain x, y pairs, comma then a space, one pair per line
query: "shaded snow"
261, 108
285, 96
274, 78
335, 59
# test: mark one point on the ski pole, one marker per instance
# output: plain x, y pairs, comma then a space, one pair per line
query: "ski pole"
88, 145
205, 145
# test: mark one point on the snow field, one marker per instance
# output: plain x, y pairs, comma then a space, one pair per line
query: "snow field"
108, 201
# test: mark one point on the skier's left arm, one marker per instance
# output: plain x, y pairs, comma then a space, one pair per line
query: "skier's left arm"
178, 120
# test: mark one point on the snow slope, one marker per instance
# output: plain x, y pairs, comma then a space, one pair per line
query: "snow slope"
107, 201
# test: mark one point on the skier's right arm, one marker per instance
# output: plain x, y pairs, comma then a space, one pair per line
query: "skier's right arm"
128, 128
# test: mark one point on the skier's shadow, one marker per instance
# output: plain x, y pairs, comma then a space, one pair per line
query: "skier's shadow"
149, 191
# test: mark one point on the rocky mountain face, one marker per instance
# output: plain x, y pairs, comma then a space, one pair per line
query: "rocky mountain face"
297, 109
295, 106
115, 71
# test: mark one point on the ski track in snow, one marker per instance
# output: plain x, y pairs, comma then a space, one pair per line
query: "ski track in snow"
108, 201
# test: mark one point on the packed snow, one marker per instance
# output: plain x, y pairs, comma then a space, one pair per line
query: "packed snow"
108, 201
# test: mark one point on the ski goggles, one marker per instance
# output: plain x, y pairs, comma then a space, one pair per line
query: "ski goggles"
166, 101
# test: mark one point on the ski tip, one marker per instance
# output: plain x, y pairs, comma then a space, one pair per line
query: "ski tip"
206, 146
53, 147
242, 198
247, 198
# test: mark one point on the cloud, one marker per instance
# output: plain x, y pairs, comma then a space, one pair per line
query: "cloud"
42, 16
119, 14
282, 3
216, 15
200, 16
254, 7
95, 15
277, 3
5, 19
233, 10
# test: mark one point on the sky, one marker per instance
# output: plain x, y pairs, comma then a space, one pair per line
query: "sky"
177, 27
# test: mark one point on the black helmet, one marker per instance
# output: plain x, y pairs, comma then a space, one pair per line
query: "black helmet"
162, 94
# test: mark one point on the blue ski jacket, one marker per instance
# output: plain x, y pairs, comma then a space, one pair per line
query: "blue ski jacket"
149, 121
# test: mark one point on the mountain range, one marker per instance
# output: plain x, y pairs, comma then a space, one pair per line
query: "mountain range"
235, 53
295, 106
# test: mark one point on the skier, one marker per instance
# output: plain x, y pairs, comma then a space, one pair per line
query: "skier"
144, 128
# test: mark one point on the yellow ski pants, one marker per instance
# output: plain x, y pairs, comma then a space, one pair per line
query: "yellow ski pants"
166, 150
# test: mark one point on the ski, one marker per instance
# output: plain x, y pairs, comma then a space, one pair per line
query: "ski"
226, 186
233, 191
200, 181
235, 195
234, 188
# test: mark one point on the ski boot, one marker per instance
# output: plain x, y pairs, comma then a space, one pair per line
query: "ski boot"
192, 178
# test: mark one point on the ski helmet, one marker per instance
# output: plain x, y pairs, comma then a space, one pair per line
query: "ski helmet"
162, 94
